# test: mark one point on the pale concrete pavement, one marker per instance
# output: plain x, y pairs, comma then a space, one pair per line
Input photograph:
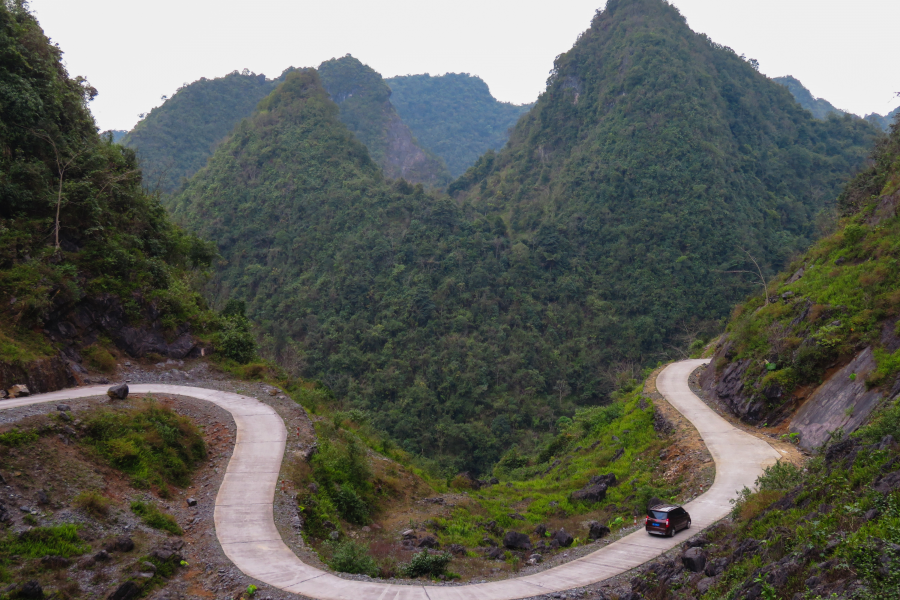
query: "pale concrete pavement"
246, 529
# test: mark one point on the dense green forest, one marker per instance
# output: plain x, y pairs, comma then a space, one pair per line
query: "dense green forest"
819, 107
655, 164
593, 245
454, 115
175, 139
77, 232
366, 109
838, 298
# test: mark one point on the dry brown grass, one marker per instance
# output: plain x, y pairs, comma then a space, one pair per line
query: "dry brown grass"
93, 502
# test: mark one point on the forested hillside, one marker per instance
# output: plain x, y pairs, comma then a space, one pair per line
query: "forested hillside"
819, 107
885, 121
454, 115
825, 337
655, 165
88, 260
174, 140
366, 109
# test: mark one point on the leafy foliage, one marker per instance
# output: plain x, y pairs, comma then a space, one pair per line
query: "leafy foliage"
353, 557
845, 299
175, 139
155, 518
428, 565
367, 111
75, 223
460, 326
454, 115
151, 443
825, 521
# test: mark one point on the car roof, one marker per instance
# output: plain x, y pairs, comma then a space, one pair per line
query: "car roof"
664, 508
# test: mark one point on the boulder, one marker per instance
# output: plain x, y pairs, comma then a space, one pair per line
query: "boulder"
55, 562
591, 493
456, 549
191, 501
540, 530
888, 483
563, 539
18, 391
705, 584
118, 392
63, 407
408, 534
494, 553
181, 347
597, 531
697, 542
694, 560
103, 556
31, 591
535, 559
516, 541
429, 541
120, 544
126, 591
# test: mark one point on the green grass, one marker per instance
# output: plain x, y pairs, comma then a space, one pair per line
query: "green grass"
16, 437
59, 540
829, 501
155, 518
151, 443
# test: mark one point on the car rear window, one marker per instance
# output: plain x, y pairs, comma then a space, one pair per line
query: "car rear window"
658, 514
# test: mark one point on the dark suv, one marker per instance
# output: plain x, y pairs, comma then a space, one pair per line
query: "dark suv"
667, 520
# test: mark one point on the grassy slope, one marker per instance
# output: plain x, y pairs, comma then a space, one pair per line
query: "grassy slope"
826, 531
848, 297
117, 452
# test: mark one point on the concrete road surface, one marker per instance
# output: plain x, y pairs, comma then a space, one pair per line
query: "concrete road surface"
246, 529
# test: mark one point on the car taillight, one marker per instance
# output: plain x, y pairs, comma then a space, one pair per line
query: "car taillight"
667, 522
646, 520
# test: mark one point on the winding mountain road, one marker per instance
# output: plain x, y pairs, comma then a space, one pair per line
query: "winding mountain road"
246, 529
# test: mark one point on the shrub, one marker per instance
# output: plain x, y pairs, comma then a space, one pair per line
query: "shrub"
780, 476
60, 540
423, 563
16, 437
236, 341
352, 557
93, 503
153, 444
155, 518
99, 358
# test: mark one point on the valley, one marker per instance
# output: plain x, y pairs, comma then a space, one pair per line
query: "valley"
394, 337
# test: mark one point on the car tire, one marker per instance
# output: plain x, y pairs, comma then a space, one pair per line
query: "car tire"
688, 526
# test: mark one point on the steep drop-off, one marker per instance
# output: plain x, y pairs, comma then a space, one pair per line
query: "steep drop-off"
823, 350
454, 115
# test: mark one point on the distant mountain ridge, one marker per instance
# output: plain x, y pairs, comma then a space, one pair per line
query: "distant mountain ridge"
599, 240
175, 139
821, 108
366, 108
454, 115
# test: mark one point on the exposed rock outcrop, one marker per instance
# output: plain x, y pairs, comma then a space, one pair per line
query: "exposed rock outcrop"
842, 402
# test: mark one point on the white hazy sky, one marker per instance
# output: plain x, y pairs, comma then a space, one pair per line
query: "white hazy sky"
134, 52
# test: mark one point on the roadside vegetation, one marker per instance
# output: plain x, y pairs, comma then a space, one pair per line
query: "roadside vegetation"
841, 296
